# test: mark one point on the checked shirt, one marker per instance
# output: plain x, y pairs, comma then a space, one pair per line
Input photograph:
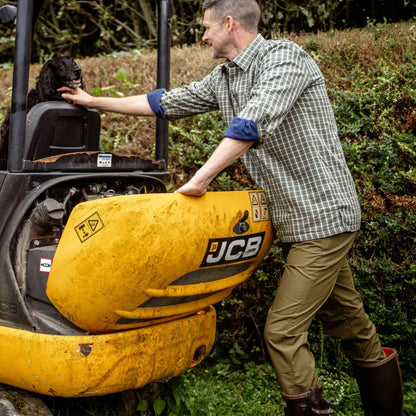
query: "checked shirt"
274, 94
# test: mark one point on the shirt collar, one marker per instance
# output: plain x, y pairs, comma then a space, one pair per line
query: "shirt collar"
245, 57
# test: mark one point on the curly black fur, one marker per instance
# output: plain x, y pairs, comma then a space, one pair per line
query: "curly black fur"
56, 73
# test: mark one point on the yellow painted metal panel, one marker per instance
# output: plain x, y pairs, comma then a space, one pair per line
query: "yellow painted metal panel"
178, 252
92, 365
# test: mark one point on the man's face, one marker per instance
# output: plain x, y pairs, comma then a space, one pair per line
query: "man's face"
215, 36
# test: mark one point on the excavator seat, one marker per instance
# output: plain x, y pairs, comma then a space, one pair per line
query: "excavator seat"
57, 127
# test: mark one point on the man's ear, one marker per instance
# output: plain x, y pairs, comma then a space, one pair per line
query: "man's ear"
230, 23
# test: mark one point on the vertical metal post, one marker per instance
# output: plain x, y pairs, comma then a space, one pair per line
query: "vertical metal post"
23, 48
163, 78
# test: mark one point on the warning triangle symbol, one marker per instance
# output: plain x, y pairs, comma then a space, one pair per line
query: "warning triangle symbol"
93, 224
254, 200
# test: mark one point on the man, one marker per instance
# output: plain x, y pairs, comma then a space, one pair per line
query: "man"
280, 122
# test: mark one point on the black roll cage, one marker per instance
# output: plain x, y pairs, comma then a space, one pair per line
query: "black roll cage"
27, 15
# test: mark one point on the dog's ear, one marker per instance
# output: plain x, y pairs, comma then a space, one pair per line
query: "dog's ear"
45, 84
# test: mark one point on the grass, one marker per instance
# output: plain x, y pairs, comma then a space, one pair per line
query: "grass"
219, 390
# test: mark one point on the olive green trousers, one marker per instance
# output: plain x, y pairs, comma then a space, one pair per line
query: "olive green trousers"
317, 281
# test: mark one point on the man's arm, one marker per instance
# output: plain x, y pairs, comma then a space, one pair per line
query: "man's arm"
137, 105
227, 152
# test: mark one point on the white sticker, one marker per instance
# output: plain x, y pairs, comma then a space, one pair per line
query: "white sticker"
104, 160
45, 265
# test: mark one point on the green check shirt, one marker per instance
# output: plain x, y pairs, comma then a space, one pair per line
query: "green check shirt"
278, 91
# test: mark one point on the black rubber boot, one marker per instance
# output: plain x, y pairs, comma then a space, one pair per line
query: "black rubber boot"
311, 403
380, 384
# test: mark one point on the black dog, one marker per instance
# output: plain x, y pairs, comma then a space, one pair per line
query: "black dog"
56, 73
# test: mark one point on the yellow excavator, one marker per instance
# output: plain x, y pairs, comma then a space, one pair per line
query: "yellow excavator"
106, 280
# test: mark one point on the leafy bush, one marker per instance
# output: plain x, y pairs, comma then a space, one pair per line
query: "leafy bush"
377, 123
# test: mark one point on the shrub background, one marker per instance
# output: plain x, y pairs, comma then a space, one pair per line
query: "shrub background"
90, 27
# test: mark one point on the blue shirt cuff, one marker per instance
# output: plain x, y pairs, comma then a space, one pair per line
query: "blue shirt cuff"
154, 102
242, 129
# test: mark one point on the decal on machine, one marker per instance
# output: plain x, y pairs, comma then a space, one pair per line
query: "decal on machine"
104, 160
259, 206
45, 265
89, 227
232, 249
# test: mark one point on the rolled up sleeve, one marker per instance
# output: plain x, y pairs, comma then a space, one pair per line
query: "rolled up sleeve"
242, 129
154, 102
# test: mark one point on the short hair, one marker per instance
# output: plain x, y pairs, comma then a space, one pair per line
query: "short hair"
246, 12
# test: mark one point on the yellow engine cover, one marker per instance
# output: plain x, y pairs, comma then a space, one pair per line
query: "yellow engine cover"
137, 260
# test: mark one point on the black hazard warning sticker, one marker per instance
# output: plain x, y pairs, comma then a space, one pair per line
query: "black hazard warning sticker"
89, 227
259, 207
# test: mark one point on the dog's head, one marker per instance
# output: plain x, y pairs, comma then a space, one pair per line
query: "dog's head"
61, 71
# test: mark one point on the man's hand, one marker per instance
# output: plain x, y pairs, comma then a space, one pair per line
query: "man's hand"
77, 96
193, 188
136, 105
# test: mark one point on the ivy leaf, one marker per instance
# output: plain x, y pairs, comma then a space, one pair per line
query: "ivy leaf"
159, 406
143, 406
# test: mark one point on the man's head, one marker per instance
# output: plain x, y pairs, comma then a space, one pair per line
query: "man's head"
246, 12
230, 25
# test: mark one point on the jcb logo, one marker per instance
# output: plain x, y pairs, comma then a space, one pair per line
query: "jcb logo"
232, 249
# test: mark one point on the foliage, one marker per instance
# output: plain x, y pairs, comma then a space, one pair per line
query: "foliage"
377, 119
218, 390
86, 27
312, 15
252, 390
